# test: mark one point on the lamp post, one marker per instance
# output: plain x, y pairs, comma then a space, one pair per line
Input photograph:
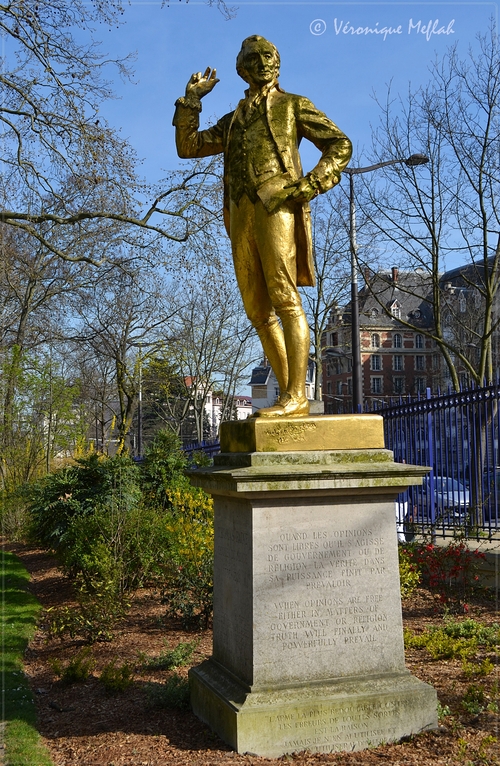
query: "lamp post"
357, 378
140, 358
139, 407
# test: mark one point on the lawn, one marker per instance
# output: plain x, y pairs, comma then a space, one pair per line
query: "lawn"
20, 611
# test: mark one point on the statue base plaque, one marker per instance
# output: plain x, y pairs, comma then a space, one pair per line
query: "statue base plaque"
308, 641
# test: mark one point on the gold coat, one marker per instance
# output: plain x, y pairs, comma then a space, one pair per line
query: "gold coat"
290, 118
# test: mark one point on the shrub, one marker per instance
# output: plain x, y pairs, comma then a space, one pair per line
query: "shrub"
15, 516
76, 492
439, 645
177, 657
409, 576
456, 639
188, 576
477, 670
451, 570
116, 678
174, 693
115, 527
77, 670
92, 515
162, 469
486, 635
99, 609
474, 701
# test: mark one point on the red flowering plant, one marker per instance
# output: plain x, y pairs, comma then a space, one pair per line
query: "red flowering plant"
451, 571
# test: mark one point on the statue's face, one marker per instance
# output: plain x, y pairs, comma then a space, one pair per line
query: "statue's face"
259, 63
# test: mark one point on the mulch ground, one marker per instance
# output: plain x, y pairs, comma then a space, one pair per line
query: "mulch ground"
82, 725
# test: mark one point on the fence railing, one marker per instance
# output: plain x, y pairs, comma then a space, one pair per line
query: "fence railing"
210, 447
457, 436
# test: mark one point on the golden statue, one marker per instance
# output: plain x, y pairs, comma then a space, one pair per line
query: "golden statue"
266, 202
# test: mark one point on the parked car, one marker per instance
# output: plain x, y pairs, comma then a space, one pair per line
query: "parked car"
451, 497
449, 502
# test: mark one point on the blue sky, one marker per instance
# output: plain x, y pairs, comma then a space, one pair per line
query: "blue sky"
320, 58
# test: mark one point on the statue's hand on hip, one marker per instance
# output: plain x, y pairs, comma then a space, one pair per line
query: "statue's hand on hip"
200, 84
302, 190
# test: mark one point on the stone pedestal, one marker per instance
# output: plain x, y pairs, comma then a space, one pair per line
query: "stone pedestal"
308, 641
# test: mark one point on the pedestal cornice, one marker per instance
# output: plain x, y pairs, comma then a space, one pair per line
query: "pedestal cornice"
338, 471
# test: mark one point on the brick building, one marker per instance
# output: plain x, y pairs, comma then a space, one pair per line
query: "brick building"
395, 359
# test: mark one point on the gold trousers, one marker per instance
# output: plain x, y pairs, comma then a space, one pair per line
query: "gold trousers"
265, 264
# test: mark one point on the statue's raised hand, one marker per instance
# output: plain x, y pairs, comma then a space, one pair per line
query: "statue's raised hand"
201, 84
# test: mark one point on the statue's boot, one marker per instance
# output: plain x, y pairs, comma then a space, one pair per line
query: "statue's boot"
273, 343
293, 402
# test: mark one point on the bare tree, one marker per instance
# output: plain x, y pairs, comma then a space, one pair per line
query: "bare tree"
124, 319
450, 208
228, 11
68, 178
212, 344
330, 217
34, 288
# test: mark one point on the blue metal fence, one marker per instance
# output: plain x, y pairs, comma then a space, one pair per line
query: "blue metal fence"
456, 434
210, 447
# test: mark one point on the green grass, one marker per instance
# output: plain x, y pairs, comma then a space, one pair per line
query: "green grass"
18, 619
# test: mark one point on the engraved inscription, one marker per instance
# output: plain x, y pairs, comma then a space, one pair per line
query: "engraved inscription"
291, 432
329, 729
326, 611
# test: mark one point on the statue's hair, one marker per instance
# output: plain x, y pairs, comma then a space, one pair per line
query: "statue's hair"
241, 55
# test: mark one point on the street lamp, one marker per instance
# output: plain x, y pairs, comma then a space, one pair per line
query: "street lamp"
357, 383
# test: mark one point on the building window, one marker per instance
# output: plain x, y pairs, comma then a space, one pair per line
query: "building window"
397, 360
419, 341
339, 387
436, 362
396, 310
462, 303
349, 386
376, 385
420, 363
329, 387
334, 339
420, 385
397, 340
398, 385
375, 340
376, 362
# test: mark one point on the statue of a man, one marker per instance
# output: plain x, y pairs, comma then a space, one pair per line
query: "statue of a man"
266, 206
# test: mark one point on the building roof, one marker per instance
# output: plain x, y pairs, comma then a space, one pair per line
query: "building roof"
408, 291
466, 274
260, 375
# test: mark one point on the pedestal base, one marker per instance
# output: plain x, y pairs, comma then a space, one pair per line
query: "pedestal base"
308, 639
323, 717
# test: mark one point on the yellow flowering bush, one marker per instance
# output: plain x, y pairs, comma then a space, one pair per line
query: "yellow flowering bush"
188, 588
